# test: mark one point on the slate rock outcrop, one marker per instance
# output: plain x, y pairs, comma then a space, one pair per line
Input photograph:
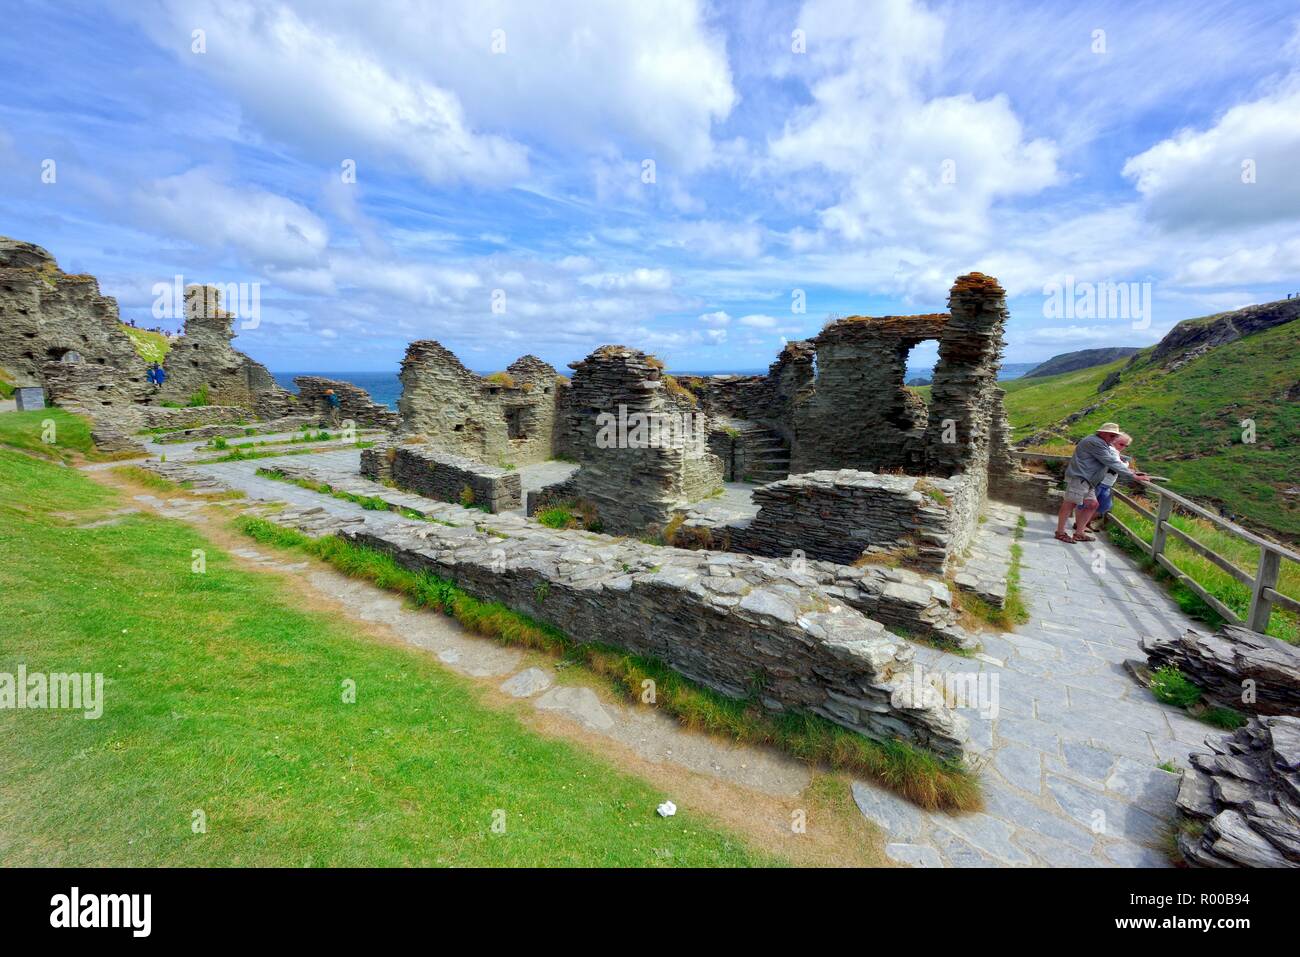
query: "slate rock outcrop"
1240, 806
1235, 666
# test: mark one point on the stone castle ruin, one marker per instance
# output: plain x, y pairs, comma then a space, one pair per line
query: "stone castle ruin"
827, 459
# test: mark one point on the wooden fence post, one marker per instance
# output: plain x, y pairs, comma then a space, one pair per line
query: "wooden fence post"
1270, 564
1158, 534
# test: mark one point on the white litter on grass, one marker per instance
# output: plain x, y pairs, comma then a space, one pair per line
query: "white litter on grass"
667, 809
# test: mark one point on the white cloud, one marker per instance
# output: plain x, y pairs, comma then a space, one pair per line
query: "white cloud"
758, 321
330, 95
201, 207
719, 240
718, 318
649, 77
1194, 179
906, 165
637, 280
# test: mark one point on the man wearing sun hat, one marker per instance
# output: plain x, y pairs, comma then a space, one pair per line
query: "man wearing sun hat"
1093, 457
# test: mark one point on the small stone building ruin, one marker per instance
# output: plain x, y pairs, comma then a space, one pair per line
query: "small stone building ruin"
837, 406
641, 446
505, 419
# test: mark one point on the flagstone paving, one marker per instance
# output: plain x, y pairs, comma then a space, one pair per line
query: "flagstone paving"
1070, 744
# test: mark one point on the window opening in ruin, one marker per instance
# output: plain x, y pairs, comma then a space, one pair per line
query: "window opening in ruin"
515, 423
920, 361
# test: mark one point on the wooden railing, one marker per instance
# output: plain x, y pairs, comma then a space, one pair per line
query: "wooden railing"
1263, 582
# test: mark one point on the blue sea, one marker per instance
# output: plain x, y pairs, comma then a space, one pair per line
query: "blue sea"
385, 388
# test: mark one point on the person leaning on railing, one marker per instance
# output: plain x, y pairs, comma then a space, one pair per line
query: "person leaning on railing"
1105, 501
1093, 460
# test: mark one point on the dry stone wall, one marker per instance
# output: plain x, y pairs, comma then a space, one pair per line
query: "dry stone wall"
428, 471
354, 403
203, 360
848, 515
858, 413
730, 622
504, 420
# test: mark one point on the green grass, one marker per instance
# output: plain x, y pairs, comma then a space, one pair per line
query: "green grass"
150, 346
1227, 589
224, 695
27, 431
7, 386
916, 774
1174, 688
239, 454
1036, 403
558, 517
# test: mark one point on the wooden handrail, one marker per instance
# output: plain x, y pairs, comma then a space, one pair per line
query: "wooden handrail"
1263, 581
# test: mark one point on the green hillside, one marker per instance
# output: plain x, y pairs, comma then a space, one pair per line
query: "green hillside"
1187, 423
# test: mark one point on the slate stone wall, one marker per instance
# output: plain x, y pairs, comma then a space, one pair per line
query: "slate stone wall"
641, 447
733, 623
203, 357
506, 422
858, 414
428, 471
847, 516
354, 403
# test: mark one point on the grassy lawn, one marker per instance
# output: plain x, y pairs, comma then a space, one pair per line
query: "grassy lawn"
223, 695
27, 431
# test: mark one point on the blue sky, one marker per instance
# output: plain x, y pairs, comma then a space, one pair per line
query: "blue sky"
857, 156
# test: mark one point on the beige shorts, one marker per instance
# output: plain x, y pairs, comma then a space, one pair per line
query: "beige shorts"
1079, 492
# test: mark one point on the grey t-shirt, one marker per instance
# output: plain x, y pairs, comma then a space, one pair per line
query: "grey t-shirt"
1093, 458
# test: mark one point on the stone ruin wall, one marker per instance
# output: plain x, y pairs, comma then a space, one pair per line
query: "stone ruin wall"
768, 400
47, 316
203, 357
58, 331
354, 403
440, 475
729, 622
637, 480
511, 422
849, 516
857, 413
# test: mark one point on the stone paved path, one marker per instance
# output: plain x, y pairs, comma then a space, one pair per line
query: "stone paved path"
1071, 750
1070, 774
